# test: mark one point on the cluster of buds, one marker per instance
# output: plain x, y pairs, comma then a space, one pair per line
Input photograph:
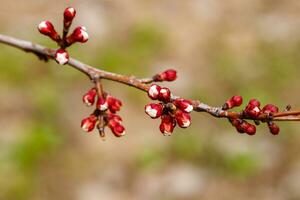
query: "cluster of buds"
252, 111
79, 35
170, 111
104, 115
243, 126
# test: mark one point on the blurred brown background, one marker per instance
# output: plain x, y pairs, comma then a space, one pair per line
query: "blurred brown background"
220, 48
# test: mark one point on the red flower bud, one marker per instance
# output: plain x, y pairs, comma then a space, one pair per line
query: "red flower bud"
88, 124
102, 104
274, 128
61, 56
153, 91
270, 108
237, 123
89, 97
243, 127
164, 94
69, 14
234, 101
47, 28
252, 109
250, 129
183, 119
240, 128
168, 75
114, 104
79, 35
154, 110
167, 125
254, 102
117, 129
184, 105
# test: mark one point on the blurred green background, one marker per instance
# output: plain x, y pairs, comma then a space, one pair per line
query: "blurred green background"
220, 48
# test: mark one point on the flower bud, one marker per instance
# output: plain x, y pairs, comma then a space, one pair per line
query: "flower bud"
167, 125
117, 129
250, 129
252, 109
61, 56
69, 14
154, 110
254, 102
183, 119
88, 124
184, 105
102, 104
89, 98
270, 108
164, 94
234, 101
153, 91
47, 28
274, 128
79, 35
168, 75
237, 123
114, 104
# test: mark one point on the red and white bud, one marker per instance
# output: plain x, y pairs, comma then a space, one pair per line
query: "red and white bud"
184, 105
164, 94
117, 129
79, 35
154, 110
89, 98
270, 108
153, 91
69, 14
168, 75
102, 104
88, 124
114, 104
47, 28
274, 128
252, 109
234, 101
167, 125
61, 56
183, 119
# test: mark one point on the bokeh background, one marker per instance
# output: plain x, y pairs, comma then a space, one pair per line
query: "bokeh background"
220, 48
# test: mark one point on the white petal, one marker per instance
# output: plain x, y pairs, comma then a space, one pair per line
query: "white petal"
84, 34
167, 133
104, 106
153, 91
256, 109
189, 108
71, 10
42, 25
163, 91
186, 123
61, 58
151, 112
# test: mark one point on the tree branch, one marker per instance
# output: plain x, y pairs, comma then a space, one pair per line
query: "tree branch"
141, 84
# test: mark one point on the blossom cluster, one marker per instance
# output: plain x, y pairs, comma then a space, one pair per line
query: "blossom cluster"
104, 115
170, 110
79, 34
252, 111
